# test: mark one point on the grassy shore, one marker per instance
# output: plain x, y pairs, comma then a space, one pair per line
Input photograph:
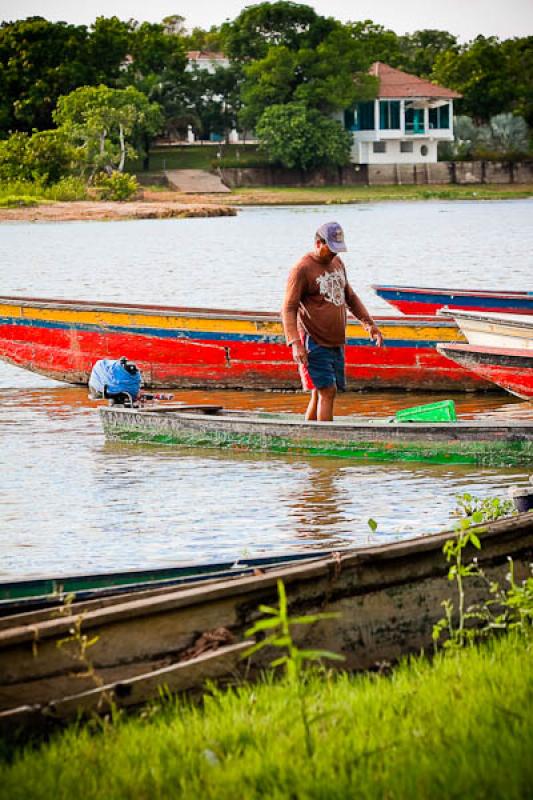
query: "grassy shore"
459, 727
332, 195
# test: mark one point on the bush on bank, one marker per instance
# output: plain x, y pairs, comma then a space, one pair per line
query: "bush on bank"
457, 727
26, 192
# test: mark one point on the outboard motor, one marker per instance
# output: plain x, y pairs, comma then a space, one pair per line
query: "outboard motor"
118, 380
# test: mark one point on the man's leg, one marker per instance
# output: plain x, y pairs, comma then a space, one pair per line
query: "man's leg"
326, 401
311, 413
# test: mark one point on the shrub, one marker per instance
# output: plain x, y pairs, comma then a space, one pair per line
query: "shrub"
506, 137
46, 156
13, 164
116, 186
67, 189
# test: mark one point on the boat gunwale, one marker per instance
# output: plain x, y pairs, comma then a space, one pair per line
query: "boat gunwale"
201, 313
488, 317
232, 415
509, 527
452, 292
252, 562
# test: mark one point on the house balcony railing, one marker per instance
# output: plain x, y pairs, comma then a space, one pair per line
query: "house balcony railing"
412, 128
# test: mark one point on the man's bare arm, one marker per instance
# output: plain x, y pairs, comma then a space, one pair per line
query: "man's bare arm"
360, 312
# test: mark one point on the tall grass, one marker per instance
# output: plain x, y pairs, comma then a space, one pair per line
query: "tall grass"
16, 192
458, 727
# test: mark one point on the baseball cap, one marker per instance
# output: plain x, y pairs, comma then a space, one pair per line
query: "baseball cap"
333, 236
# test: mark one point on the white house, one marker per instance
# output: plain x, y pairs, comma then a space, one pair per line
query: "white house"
404, 123
206, 59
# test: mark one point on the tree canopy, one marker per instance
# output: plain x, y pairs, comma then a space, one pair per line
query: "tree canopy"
279, 24
331, 76
280, 53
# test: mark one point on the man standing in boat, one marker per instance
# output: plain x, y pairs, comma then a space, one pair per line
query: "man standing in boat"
314, 319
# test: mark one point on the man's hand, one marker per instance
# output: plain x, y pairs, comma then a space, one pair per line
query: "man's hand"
299, 353
376, 335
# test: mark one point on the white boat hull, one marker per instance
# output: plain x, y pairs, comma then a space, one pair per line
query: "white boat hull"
501, 331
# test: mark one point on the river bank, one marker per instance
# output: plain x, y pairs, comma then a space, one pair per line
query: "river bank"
154, 208
455, 727
162, 203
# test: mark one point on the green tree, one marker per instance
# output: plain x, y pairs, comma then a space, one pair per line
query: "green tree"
420, 50
331, 76
174, 25
156, 67
214, 98
259, 27
104, 122
493, 77
39, 61
153, 50
295, 136
211, 40
108, 48
518, 54
377, 43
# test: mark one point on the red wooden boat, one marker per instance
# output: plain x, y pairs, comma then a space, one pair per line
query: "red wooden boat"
512, 370
205, 348
413, 300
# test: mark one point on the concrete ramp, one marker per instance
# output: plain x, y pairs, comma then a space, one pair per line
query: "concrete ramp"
195, 181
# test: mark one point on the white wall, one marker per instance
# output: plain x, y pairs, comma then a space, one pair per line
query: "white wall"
363, 153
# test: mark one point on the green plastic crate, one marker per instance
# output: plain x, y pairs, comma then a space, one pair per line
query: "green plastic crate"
443, 411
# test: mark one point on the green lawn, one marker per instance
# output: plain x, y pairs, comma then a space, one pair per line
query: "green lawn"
457, 728
334, 195
193, 156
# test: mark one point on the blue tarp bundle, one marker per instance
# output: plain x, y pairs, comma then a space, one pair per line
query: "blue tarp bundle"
111, 374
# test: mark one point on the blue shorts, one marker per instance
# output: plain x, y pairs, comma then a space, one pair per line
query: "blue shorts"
325, 366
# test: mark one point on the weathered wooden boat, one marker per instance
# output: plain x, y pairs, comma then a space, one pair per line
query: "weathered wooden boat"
417, 300
509, 369
514, 331
44, 592
462, 442
388, 598
186, 347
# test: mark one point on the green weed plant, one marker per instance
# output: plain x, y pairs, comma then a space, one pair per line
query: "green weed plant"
279, 626
508, 608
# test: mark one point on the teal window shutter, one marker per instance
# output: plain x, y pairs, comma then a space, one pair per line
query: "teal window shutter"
389, 115
364, 116
349, 119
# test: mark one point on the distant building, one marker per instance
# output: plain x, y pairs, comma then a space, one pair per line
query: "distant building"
205, 59
404, 123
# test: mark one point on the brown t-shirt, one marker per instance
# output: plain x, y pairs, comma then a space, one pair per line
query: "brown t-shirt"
316, 298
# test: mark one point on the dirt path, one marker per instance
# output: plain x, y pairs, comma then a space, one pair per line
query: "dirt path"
160, 208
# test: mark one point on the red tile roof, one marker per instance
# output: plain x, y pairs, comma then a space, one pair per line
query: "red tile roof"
193, 55
395, 83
